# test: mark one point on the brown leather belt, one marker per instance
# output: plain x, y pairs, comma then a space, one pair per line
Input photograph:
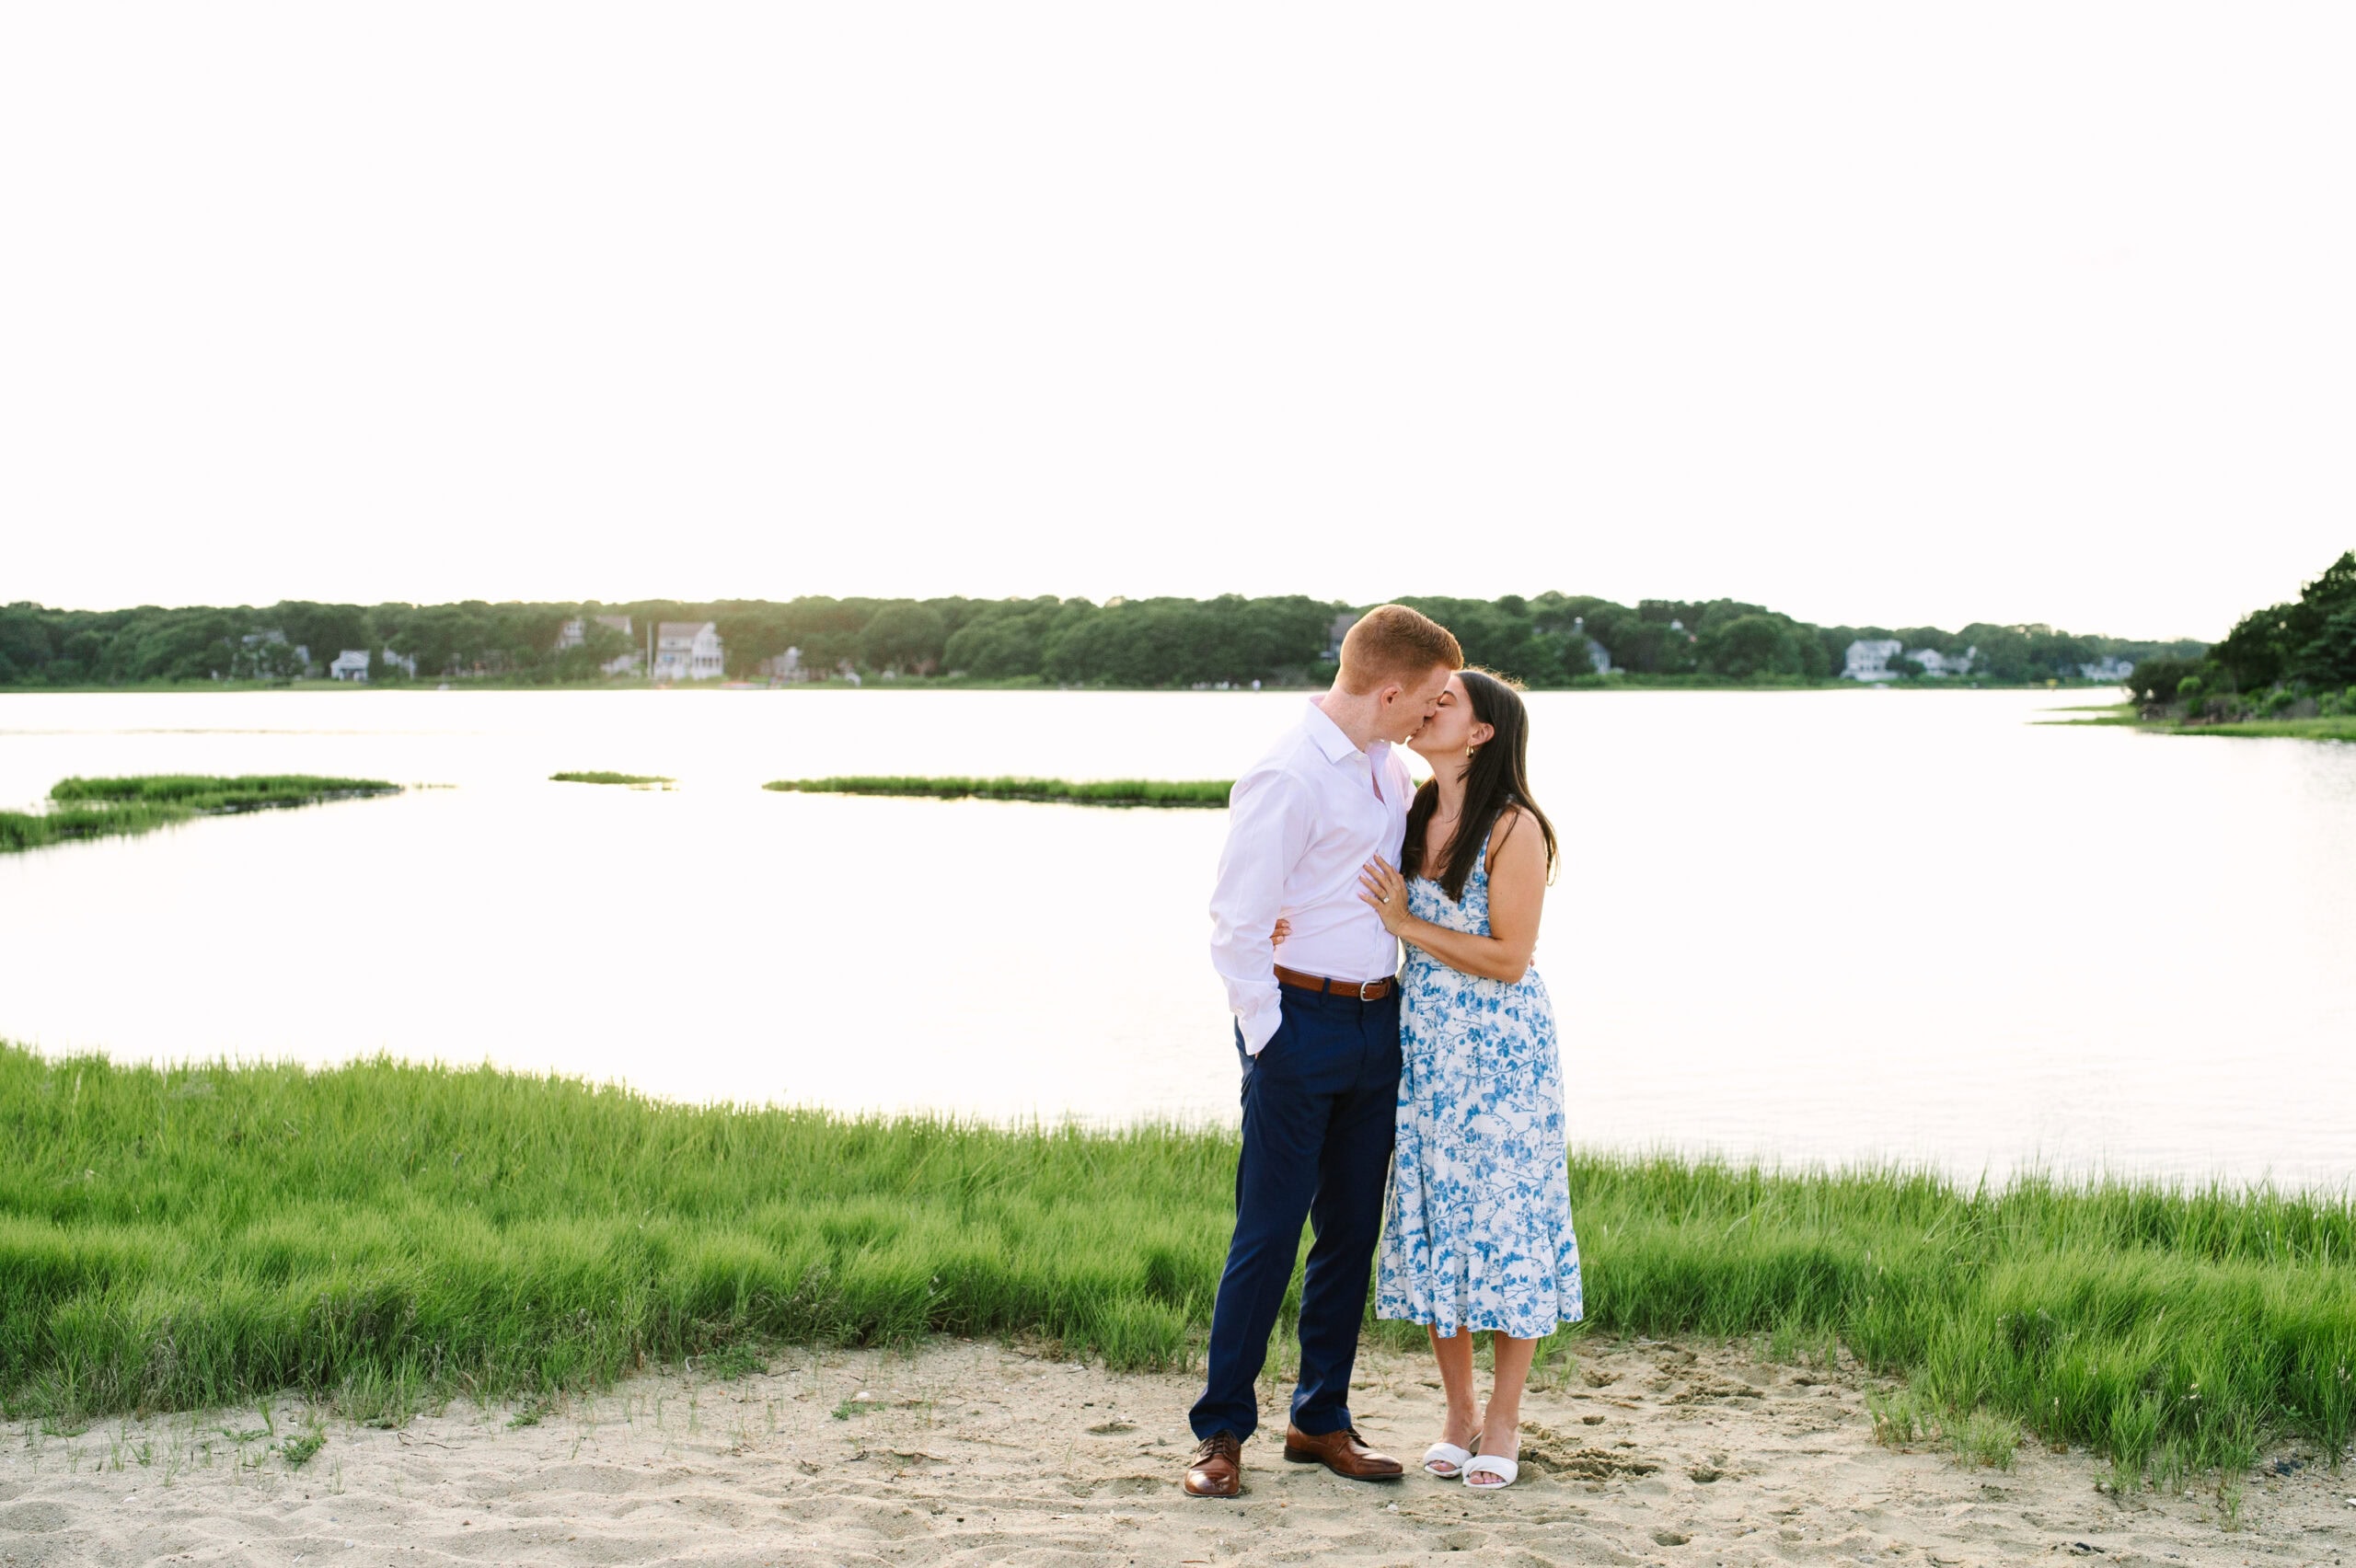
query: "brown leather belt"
1364, 990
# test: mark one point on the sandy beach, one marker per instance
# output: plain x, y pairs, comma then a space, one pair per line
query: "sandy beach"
976, 1454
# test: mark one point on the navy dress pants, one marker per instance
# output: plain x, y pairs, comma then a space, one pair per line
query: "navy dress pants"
1320, 1102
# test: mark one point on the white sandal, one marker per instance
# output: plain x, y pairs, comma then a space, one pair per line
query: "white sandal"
1505, 1469
1446, 1454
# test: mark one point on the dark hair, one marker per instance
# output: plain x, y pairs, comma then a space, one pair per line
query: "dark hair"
1499, 778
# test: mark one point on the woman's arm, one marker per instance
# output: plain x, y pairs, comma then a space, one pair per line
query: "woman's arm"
1517, 894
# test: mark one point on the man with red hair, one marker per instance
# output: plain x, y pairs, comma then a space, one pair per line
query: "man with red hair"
1317, 1037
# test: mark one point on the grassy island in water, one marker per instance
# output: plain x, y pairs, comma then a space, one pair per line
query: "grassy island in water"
1095, 792
635, 780
384, 1236
99, 808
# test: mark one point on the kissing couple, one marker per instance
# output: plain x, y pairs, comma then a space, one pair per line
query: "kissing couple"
1439, 1084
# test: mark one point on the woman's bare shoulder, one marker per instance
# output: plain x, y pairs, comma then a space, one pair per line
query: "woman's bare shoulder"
1512, 837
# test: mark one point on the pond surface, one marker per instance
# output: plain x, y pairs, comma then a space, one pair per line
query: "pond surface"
1809, 925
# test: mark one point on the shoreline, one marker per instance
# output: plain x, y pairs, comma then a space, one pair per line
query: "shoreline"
2340, 727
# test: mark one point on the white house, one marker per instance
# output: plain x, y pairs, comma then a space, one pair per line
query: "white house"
1936, 663
576, 632
274, 637
687, 651
2108, 669
1869, 659
352, 664
785, 666
268, 653
1599, 657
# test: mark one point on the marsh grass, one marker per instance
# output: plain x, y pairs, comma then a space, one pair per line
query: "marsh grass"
38, 830
731, 1362
1985, 1439
2337, 727
1093, 792
99, 808
2332, 727
1904, 1417
2106, 713
384, 1236
636, 781
1900, 1417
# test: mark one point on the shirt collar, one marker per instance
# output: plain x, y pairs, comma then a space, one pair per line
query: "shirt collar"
1328, 735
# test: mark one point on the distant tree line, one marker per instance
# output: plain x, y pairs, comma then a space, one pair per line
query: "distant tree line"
1543, 641
1553, 639
2291, 659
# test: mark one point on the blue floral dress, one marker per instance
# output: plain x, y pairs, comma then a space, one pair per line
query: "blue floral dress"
1478, 1231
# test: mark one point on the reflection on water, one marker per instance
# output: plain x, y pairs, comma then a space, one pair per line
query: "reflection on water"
1810, 926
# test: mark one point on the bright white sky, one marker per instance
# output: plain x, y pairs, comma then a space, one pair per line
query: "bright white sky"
1871, 313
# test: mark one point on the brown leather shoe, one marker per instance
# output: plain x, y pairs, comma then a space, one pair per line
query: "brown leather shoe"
1217, 1468
1343, 1453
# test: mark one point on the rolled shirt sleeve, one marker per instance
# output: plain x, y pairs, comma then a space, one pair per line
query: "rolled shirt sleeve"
1270, 819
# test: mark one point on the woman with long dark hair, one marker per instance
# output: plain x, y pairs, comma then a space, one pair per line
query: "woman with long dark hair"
1478, 1233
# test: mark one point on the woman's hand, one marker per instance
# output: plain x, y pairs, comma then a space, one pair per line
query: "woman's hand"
1385, 891
1283, 930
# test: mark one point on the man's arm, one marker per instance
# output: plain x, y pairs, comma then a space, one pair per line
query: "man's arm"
1267, 832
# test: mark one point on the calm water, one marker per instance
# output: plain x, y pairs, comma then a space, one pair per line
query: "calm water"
1829, 926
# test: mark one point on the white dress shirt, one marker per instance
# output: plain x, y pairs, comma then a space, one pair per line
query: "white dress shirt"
1302, 821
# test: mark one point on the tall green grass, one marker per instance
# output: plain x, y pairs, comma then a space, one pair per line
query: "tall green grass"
1095, 792
99, 808
38, 830
376, 1232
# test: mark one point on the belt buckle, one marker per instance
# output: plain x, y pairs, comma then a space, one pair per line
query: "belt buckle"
1362, 985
